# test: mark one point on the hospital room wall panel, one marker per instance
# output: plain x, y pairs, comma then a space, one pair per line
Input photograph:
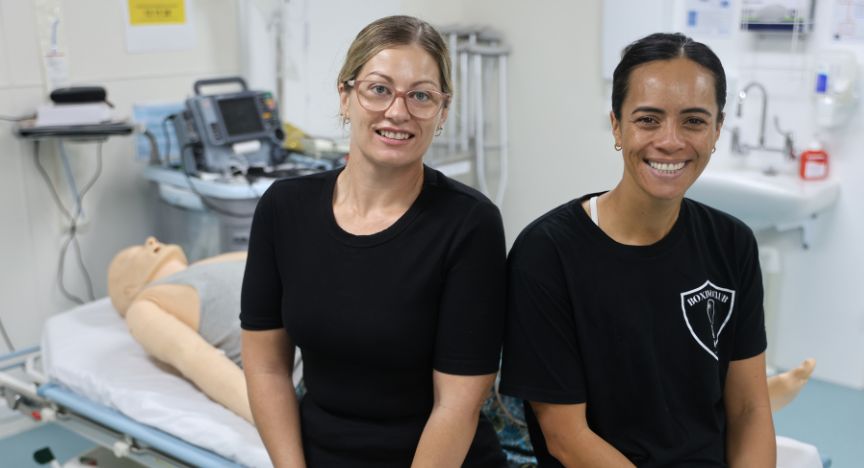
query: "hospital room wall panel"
560, 138
19, 51
97, 49
29, 222
439, 13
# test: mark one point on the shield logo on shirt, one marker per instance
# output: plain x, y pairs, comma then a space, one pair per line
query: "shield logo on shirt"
707, 310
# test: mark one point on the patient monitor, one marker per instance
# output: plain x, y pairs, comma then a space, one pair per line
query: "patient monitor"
231, 132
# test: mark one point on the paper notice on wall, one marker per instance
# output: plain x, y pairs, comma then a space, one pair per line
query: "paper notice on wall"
158, 25
848, 23
709, 18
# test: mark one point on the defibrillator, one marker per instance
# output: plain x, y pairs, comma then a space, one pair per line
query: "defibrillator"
229, 133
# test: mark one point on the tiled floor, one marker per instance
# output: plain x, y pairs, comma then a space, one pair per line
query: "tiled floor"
830, 417
17, 450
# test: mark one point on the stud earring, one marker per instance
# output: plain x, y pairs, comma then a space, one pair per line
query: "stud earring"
618, 147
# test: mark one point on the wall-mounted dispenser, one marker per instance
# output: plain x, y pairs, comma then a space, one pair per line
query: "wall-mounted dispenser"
835, 87
777, 15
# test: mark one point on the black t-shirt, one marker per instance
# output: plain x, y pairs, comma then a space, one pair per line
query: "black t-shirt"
374, 314
642, 334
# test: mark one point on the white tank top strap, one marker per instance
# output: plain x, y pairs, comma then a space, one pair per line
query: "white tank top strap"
592, 210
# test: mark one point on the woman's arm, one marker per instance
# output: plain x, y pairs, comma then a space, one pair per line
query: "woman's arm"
571, 441
268, 362
750, 437
451, 426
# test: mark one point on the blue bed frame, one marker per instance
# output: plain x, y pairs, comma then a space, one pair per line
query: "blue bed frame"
101, 424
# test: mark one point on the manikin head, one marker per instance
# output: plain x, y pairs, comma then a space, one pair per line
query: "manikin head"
134, 267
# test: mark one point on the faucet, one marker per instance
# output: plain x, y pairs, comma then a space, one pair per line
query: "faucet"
739, 147
742, 95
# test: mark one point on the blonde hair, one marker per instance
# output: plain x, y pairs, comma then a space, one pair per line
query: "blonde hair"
394, 31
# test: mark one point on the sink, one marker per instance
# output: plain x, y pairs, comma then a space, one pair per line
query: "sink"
782, 200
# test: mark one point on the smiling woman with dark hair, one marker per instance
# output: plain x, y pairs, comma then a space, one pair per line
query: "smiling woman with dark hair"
635, 325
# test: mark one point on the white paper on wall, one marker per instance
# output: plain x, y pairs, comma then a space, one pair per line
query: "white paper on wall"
709, 18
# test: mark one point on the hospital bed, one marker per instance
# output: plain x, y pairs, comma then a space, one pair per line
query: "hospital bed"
93, 378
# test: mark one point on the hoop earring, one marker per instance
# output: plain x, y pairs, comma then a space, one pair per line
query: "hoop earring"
618, 147
713, 150
345, 121
438, 131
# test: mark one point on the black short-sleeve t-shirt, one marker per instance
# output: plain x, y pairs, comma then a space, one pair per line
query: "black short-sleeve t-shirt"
374, 314
642, 334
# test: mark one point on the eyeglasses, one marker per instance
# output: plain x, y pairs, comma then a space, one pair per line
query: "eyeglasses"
375, 96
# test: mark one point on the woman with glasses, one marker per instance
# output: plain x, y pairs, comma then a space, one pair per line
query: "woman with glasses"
386, 274
635, 325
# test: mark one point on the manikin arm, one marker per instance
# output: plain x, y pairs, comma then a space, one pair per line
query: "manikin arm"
226, 257
169, 340
783, 388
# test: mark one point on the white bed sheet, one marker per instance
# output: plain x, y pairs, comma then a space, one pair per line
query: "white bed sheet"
90, 351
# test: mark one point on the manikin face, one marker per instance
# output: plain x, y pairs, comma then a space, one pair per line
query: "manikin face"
668, 128
135, 266
393, 138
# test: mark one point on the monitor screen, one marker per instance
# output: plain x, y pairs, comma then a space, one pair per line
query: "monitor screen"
241, 116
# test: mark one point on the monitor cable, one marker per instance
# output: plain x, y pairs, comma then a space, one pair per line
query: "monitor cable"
170, 117
72, 239
8, 341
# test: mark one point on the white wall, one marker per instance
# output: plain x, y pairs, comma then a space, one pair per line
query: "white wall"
560, 139
119, 206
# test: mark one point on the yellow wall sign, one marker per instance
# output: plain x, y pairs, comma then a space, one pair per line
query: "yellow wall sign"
153, 12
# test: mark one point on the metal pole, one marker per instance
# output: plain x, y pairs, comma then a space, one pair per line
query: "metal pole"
463, 103
479, 137
503, 136
453, 40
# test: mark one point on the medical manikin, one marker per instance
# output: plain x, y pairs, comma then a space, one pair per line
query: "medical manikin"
185, 315
160, 295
